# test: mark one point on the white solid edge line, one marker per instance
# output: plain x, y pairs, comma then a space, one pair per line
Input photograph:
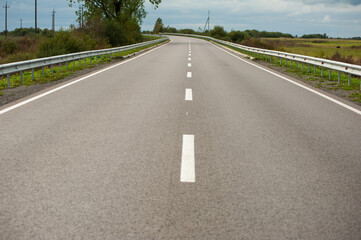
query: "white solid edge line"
74, 82
189, 95
189, 74
295, 83
188, 164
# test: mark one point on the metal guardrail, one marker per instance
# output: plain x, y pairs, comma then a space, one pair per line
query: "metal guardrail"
31, 65
340, 67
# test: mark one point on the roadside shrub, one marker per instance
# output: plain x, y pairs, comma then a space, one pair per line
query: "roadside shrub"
349, 59
122, 34
19, 56
238, 36
255, 42
63, 42
8, 46
218, 32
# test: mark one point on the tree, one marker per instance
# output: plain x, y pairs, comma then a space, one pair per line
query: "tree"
158, 27
218, 32
118, 10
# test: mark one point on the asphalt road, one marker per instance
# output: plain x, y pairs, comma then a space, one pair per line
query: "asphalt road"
129, 153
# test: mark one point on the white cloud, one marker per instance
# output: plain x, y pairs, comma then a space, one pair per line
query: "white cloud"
326, 19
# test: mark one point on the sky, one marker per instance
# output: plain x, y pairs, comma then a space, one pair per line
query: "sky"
336, 18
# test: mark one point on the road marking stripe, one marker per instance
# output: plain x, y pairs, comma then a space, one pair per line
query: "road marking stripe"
189, 74
189, 59
188, 164
76, 81
298, 84
189, 94
189, 64
189, 55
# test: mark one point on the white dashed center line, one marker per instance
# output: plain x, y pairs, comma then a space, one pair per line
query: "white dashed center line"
189, 74
189, 64
189, 94
188, 166
189, 59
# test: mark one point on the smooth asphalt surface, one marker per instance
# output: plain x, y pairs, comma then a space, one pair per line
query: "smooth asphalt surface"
102, 158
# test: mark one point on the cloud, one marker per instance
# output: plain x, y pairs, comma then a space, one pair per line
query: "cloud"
326, 19
327, 2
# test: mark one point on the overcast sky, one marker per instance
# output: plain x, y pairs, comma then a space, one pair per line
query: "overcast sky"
336, 18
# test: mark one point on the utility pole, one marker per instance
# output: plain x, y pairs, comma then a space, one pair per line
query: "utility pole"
53, 25
209, 18
207, 22
6, 18
36, 16
82, 14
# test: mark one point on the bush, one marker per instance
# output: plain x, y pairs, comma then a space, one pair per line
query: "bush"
63, 42
238, 36
8, 46
122, 34
218, 32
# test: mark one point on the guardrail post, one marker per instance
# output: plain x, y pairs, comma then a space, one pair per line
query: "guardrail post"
59, 67
330, 74
286, 62
73, 64
42, 71
67, 66
339, 77
349, 79
302, 67
32, 74
79, 62
321, 71
21, 77
8, 77
84, 61
297, 65
308, 67
91, 60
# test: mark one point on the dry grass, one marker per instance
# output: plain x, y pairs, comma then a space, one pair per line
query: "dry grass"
337, 49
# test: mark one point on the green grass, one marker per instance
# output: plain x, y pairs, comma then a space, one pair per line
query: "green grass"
314, 74
323, 48
60, 73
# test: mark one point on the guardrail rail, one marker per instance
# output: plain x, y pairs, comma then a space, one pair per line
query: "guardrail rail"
340, 67
30, 65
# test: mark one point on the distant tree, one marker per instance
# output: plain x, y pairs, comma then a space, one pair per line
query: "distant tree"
322, 36
118, 10
218, 32
238, 36
158, 27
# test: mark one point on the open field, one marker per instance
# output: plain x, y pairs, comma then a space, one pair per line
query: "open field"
349, 50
